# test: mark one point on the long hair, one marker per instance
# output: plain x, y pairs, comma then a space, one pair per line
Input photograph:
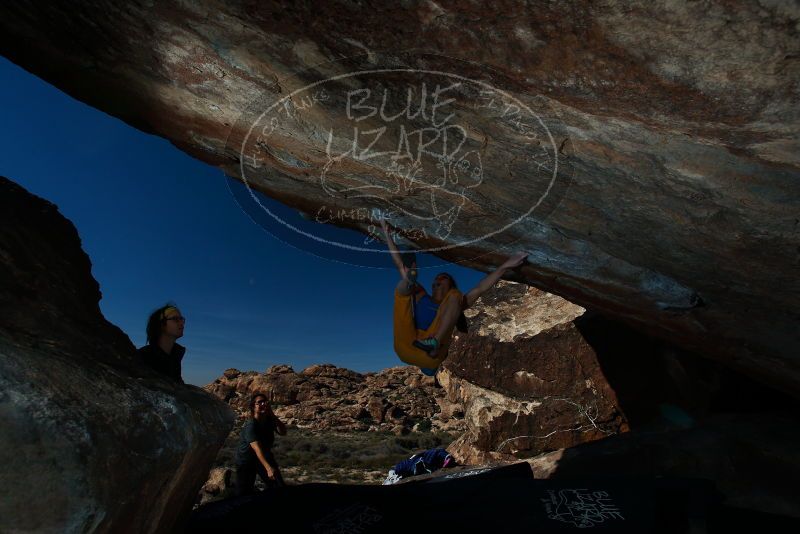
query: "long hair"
155, 323
253, 399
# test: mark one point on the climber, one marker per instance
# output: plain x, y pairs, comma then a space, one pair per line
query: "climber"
423, 324
254, 452
162, 352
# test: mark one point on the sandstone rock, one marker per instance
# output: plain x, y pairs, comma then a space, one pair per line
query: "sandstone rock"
326, 397
752, 458
673, 146
92, 440
280, 369
376, 406
510, 310
584, 379
224, 392
232, 373
396, 415
218, 484
331, 371
526, 379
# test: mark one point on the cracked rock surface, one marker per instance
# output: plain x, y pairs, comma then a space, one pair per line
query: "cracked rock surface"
527, 378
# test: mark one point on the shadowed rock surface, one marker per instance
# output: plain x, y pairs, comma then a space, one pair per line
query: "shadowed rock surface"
669, 132
527, 378
92, 440
536, 373
752, 458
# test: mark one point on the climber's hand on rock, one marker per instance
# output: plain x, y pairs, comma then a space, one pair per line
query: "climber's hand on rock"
514, 260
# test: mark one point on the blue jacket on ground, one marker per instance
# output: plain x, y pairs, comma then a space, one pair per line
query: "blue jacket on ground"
424, 462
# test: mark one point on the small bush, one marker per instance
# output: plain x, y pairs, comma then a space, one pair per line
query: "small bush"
374, 451
425, 425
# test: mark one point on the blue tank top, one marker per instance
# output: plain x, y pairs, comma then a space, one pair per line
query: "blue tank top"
425, 312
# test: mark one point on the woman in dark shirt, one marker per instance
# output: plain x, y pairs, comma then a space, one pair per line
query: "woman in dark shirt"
162, 352
254, 452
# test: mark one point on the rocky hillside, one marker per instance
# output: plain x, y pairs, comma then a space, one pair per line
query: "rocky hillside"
329, 398
345, 427
516, 333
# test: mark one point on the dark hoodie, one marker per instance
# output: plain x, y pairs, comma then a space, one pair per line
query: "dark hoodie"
166, 364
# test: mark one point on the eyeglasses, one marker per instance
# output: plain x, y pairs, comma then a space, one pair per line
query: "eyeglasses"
261, 403
179, 318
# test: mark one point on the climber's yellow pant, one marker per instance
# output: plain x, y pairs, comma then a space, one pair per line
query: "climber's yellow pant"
405, 332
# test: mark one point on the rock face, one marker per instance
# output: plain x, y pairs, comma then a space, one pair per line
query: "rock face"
326, 397
752, 458
527, 379
523, 381
541, 379
92, 441
646, 152
536, 373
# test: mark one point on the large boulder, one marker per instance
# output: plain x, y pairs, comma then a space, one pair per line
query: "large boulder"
527, 379
580, 395
91, 441
536, 373
668, 132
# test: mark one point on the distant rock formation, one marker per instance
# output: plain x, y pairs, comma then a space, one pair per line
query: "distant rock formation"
337, 407
92, 440
326, 397
572, 392
523, 381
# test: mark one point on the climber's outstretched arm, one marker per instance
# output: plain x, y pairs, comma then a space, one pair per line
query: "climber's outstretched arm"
491, 279
395, 253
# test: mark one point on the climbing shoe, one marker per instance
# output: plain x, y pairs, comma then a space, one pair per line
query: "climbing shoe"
427, 371
428, 345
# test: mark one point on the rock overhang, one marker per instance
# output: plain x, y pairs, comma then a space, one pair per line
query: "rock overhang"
679, 129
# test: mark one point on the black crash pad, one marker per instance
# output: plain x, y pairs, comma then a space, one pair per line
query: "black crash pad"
494, 500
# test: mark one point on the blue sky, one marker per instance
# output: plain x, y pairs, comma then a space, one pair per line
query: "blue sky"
159, 225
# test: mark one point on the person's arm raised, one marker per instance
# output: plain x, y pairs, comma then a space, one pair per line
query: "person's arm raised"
491, 279
280, 427
395, 253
